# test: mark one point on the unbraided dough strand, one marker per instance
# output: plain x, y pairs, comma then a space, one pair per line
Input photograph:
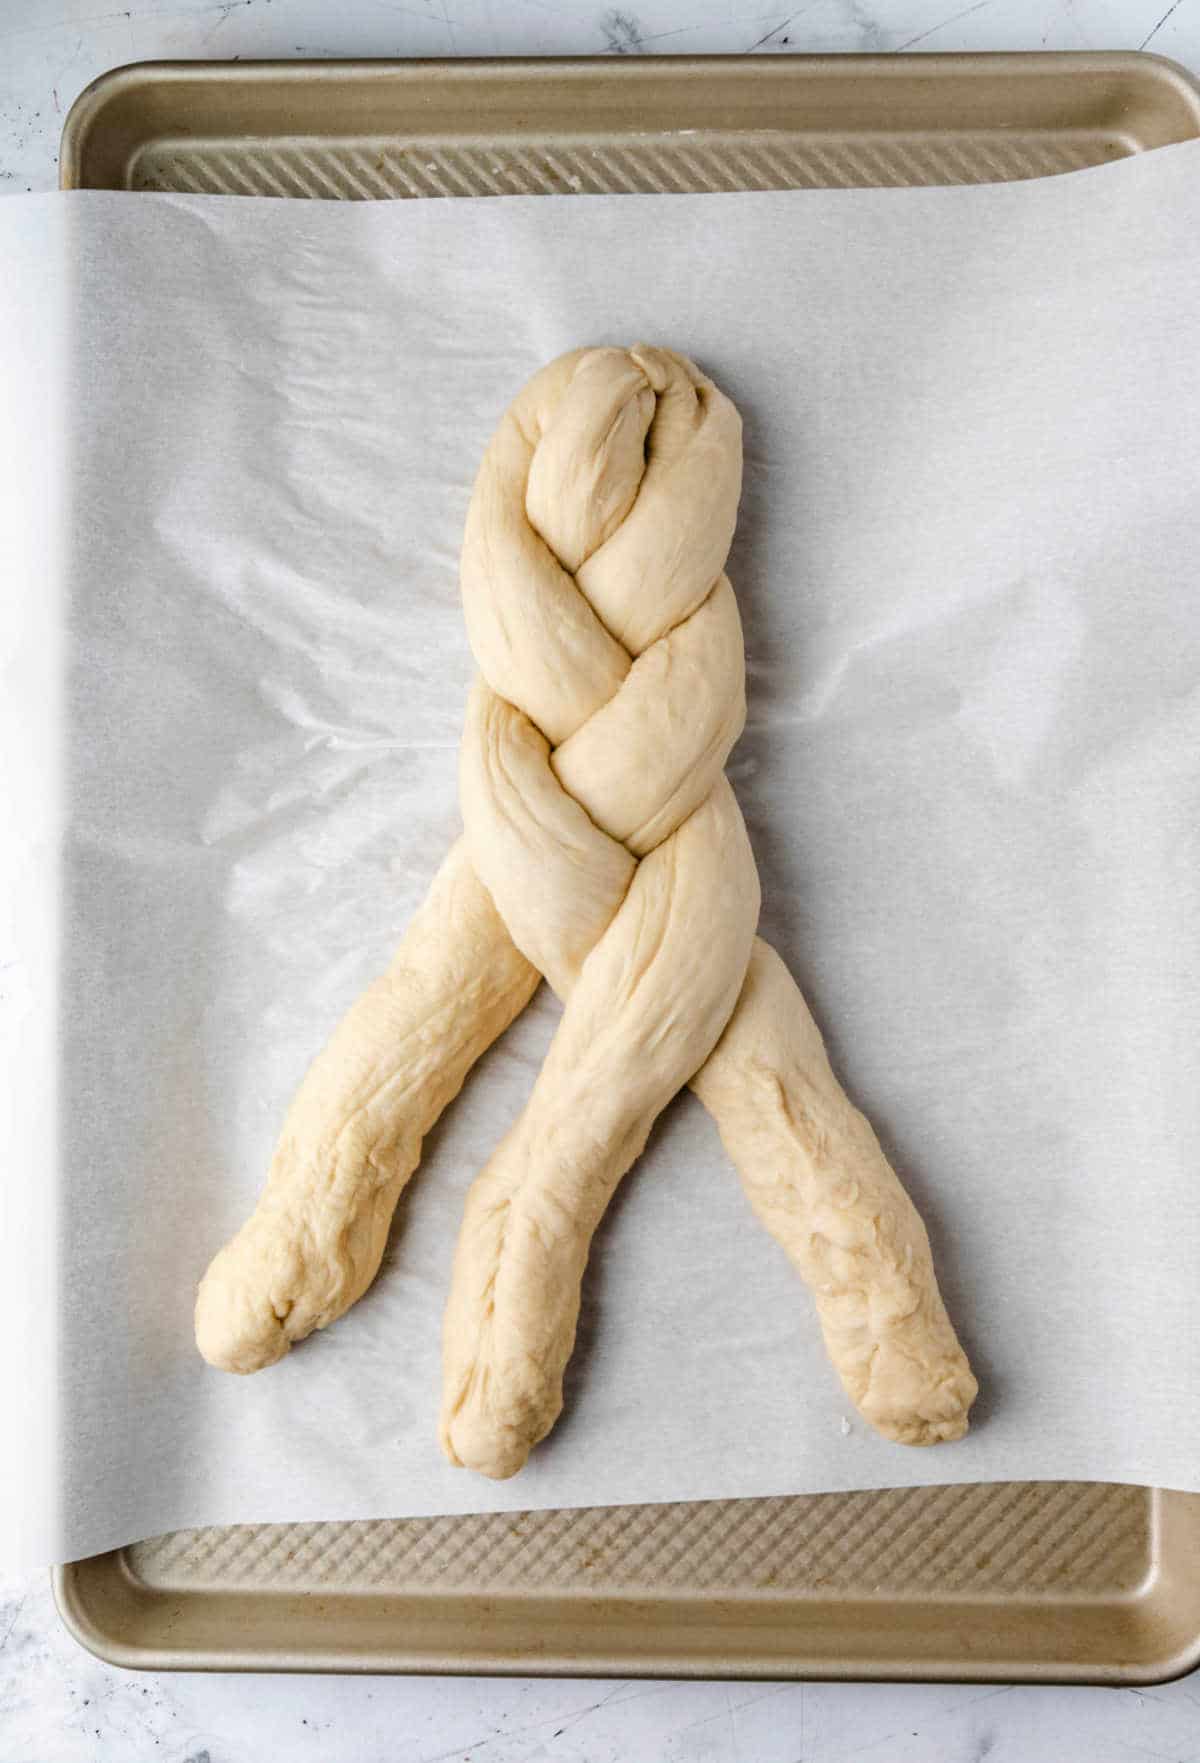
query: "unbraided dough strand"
353, 1133
815, 1174
612, 691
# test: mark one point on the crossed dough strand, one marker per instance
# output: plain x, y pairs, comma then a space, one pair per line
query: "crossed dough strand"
603, 849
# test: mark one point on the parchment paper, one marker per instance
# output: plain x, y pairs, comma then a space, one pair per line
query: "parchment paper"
239, 441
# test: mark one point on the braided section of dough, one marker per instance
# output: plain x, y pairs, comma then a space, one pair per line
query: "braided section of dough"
603, 849
601, 823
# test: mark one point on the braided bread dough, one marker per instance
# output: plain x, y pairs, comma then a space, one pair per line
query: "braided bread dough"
605, 850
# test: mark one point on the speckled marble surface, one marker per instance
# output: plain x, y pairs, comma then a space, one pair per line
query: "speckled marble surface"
59, 1705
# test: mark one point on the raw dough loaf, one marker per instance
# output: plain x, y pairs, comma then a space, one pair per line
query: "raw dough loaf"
603, 849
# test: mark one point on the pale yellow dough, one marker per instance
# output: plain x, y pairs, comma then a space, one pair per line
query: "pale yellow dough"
603, 849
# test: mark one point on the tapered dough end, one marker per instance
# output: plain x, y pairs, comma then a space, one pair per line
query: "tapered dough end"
911, 1400
495, 1410
473, 1439
238, 1328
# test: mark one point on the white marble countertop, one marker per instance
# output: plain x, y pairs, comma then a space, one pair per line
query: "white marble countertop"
59, 1705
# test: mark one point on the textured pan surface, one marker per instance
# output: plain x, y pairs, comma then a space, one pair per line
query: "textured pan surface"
1065, 1538
1017, 1580
597, 167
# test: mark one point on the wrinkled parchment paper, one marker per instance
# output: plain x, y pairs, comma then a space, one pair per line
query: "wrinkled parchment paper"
239, 441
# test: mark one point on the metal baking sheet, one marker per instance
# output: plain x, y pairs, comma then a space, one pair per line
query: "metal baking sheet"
362, 129
1034, 1581
1084, 1582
